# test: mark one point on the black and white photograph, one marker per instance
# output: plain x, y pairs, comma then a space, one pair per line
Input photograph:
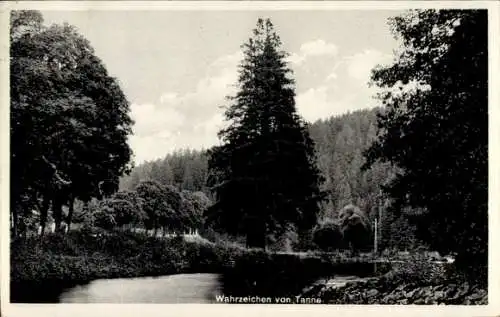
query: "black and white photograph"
259, 156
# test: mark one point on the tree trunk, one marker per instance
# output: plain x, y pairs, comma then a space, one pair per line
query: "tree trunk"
57, 214
256, 235
14, 221
43, 214
71, 206
155, 231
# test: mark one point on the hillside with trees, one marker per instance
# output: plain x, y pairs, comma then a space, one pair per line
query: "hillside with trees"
184, 169
340, 142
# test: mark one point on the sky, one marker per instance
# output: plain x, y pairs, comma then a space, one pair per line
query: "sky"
176, 68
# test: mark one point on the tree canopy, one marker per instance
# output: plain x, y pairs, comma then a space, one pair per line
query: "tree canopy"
69, 118
435, 128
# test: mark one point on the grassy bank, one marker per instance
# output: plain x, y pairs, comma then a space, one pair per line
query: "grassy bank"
56, 261
42, 268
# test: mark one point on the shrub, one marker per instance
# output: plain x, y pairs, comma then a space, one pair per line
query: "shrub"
419, 270
327, 236
82, 255
104, 219
355, 227
284, 242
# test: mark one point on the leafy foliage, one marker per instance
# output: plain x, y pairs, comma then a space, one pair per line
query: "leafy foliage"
155, 205
328, 236
165, 207
69, 118
437, 132
355, 227
194, 205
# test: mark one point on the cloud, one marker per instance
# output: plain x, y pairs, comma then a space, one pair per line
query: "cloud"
322, 102
333, 96
359, 65
333, 74
318, 47
313, 49
185, 120
313, 103
168, 97
193, 119
151, 119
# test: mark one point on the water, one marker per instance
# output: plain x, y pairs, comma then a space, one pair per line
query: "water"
244, 280
179, 288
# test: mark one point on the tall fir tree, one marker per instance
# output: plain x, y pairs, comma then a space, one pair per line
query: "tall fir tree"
264, 175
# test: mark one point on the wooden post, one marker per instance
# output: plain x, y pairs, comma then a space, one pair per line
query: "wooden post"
378, 221
375, 240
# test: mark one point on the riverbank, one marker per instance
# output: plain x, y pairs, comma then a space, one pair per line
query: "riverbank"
42, 268
411, 283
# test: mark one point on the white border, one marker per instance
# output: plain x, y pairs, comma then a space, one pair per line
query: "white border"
76, 310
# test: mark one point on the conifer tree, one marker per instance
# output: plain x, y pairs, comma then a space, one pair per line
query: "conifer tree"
264, 175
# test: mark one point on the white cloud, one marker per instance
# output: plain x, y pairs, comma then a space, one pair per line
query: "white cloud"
333, 96
323, 102
334, 75
151, 119
194, 118
187, 120
359, 65
318, 47
168, 97
313, 49
313, 103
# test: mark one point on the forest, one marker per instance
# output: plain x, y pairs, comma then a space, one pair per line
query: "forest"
406, 175
339, 144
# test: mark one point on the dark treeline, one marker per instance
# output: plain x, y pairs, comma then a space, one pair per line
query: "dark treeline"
185, 169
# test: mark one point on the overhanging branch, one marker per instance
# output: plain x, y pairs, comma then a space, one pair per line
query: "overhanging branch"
58, 177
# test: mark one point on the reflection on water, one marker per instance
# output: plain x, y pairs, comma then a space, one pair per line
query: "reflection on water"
246, 279
179, 288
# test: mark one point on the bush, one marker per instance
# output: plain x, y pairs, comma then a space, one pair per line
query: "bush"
418, 269
356, 228
83, 256
104, 219
284, 242
327, 236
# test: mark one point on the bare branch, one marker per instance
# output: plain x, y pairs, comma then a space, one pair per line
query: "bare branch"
56, 172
